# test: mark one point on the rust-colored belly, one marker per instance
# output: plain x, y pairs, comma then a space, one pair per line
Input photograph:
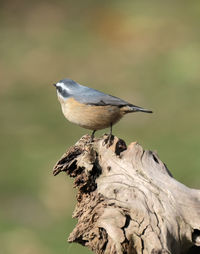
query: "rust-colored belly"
90, 116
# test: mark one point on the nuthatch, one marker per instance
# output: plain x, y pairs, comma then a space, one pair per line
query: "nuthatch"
90, 108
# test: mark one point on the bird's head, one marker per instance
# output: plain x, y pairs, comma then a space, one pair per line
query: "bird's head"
66, 88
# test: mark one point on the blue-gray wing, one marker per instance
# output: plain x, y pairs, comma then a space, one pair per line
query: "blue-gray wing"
91, 96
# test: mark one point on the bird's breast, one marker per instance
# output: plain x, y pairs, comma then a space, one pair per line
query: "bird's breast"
90, 116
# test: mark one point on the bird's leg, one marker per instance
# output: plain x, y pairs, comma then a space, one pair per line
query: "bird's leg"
110, 138
110, 135
92, 136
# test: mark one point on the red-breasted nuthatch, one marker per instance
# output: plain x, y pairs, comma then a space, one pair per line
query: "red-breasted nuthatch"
90, 108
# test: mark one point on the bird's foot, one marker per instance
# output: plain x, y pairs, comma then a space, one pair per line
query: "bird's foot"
109, 140
92, 137
91, 140
88, 143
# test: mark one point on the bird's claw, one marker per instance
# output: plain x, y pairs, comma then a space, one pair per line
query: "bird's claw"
109, 140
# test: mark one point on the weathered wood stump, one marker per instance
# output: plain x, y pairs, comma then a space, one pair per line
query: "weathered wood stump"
128, 201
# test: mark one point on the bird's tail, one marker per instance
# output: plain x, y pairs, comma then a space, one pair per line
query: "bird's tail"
132, 108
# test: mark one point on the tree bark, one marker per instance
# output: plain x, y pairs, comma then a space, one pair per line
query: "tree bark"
128, 201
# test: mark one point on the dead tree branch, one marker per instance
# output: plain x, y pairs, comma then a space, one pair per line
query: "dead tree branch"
128, 201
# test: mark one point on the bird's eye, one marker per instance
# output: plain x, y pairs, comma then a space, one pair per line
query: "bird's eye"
62, 91
59, 89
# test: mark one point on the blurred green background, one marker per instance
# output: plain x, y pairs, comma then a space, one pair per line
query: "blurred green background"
146, 52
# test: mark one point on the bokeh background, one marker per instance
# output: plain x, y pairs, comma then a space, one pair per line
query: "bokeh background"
147, 52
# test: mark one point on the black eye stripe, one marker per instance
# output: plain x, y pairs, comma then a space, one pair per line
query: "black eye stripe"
62, 91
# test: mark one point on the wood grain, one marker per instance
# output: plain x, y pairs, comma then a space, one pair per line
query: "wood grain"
128, 201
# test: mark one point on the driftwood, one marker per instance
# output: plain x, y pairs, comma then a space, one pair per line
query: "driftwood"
128, 201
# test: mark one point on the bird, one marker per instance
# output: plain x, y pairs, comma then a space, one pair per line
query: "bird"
90, 108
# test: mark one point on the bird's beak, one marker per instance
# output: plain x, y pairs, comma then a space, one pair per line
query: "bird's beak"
54, 85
